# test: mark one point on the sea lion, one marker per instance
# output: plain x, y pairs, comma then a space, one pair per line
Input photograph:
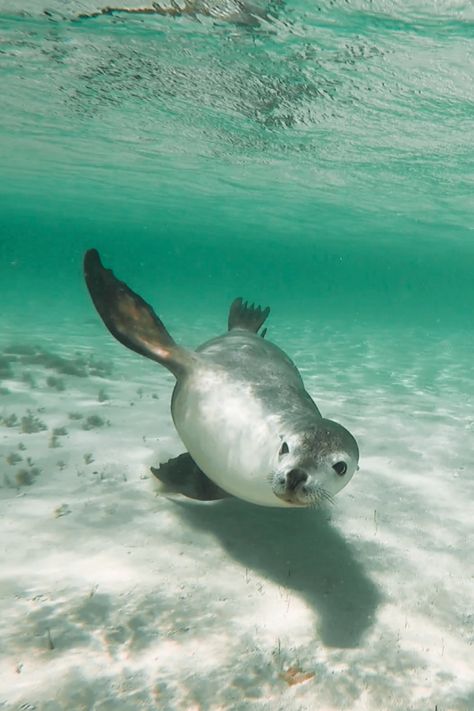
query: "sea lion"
239, 403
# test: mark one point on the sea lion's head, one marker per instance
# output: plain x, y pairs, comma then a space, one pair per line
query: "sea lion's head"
314, 464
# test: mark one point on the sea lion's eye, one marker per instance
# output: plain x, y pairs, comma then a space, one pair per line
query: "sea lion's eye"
284, 449
340, 468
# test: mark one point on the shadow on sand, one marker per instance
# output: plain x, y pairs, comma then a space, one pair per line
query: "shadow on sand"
300, 550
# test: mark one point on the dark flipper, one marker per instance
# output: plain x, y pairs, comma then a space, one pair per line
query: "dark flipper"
183, 475
130, 319
251, 318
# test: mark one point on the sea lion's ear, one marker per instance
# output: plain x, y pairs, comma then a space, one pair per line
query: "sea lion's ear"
130, 319
250, 318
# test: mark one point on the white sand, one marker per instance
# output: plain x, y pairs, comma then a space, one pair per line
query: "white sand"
116, 596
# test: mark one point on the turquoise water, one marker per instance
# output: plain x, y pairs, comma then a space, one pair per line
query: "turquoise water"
313, 156
322, 155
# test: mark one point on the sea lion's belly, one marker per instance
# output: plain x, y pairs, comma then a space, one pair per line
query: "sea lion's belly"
229, 433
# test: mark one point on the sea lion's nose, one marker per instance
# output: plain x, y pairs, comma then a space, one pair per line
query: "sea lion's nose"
295, 477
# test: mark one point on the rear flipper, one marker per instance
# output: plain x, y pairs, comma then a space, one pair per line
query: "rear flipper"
183, 476
130, 319
249, 317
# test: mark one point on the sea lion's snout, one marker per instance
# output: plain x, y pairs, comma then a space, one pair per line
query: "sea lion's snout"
295, 477
301, 488
292, 486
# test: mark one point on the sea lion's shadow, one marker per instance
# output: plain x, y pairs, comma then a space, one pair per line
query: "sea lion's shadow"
300, 550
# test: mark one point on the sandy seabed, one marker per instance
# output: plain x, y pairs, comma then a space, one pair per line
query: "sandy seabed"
116, 595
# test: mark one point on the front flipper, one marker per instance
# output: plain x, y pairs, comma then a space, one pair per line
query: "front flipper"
183, 476
249, 317
130, 319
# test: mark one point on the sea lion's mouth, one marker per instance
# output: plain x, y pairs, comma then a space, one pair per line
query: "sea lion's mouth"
303, 495
299, 496
293, 500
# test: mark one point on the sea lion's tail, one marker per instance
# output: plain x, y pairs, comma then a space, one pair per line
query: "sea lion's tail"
250, 318
130, 319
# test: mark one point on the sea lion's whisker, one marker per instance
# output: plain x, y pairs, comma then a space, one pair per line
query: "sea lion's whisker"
318, 497
314, 499
327, 496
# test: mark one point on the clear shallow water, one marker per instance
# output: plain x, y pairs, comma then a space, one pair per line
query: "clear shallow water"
324, 152
319, 159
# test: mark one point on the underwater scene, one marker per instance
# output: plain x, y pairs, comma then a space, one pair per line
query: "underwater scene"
253, 544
